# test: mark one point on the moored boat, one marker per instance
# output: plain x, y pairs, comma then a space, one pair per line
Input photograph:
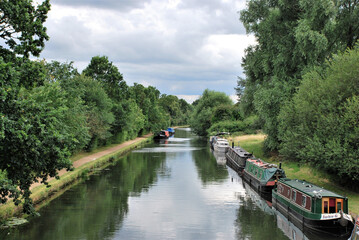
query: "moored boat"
171, 131
312, 207
355, 232
237, 157
221, 145
262, 175
163, 134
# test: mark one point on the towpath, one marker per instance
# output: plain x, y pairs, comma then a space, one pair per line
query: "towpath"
95, 156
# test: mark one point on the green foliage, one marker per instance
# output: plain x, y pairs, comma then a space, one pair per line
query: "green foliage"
171, 105
226, 113
98, 110
35, 143
292, 37
103, 71
248, 125
201, 119
21, 27
320, 124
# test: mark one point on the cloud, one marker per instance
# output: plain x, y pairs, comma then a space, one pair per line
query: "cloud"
118, 5
180, 47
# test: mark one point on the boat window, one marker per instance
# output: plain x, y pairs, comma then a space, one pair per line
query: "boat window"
260, 174
332, 205
339, 205
304, 200
294, 195
325, 206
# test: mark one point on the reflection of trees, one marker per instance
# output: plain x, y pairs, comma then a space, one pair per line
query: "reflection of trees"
253, 223
207, 167
97, 207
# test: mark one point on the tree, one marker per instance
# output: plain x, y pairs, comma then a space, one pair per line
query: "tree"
170, 104
21, 27
103, 71
292, 36
34, 141
98, 109
201, 119
320, 124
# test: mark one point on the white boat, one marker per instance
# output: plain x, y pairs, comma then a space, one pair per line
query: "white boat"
221, 145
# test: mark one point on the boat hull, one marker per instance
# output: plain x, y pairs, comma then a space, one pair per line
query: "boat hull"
257, 184
332, 227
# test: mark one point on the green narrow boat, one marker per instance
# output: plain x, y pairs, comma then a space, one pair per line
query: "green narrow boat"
312, 208
262, 176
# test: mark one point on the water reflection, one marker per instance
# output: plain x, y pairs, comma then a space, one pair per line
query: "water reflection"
95, 208
220, 157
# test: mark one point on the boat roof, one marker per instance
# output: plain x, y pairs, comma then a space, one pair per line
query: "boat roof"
309, 188
260, 163
241, 152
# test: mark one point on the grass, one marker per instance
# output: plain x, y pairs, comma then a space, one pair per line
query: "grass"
42, 195
295, 170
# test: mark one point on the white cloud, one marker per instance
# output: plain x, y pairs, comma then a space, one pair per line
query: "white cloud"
180, 47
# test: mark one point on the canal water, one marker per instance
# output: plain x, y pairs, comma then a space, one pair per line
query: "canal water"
174, 189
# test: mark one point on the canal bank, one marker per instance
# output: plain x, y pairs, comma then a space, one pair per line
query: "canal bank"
83, 167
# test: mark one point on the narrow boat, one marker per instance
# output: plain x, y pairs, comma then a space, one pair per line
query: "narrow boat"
311, 207
262, 175
163, 134
221, 145
355, 233
171, 131
237, 157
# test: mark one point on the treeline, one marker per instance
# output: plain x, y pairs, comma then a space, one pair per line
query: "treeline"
48, 111
302, 80
215, 112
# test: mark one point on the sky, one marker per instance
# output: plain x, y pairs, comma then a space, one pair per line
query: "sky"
181, 47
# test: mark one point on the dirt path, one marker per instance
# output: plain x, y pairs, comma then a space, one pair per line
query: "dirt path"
95, 156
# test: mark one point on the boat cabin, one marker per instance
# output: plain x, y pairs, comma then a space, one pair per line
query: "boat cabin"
309, 197
266, 173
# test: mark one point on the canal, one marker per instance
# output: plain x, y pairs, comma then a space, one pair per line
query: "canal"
175, 189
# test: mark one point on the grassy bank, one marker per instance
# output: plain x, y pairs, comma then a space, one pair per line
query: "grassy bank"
41, 195
295, 170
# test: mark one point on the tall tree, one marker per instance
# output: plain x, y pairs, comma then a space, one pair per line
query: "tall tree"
103, 71
292, 36
21, 27
35, 141
201, 118
320, 124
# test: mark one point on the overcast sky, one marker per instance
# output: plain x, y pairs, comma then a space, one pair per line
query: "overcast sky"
181, 47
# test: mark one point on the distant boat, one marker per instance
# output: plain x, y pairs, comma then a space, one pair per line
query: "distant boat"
237, 157
163, 134
221, 145
171, 131
312, 207
262, 175
355, 232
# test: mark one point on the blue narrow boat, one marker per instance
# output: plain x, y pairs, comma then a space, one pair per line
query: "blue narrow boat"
171, 131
